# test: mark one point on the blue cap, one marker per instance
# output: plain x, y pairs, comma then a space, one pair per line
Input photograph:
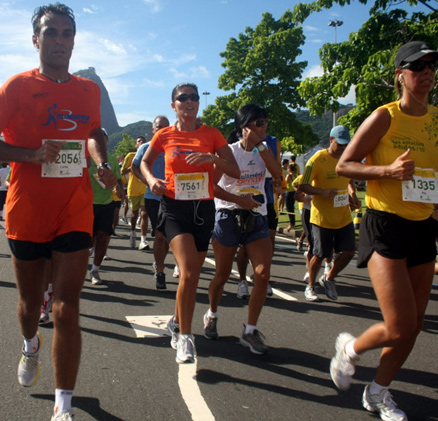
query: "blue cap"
341, 134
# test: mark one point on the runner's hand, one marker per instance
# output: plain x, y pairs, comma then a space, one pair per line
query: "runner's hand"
402, 168
48, 152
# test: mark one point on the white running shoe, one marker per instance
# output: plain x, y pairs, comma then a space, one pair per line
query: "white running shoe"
176, 271
342, 367
310, 294
173, 329
63, 416
383, 404
242, 290
29, 367
90, 251
95, 277
144, 245
185, 349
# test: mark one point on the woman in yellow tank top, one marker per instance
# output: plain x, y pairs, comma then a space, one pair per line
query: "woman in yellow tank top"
398, 233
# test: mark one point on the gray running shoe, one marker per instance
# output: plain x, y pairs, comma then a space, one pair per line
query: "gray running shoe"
29, 367
210, 327
185, 350
242, 290
342, 367
269, 291
161, 281
383, 404
255, 342
95, 277
310, 294
132, 240
173, 329
329, 287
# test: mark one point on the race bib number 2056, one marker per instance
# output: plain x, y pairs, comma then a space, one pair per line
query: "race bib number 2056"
70, 161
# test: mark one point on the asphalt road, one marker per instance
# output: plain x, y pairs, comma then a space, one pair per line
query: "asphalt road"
126, 377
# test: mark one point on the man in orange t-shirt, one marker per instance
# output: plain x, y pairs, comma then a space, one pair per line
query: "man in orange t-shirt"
51, 123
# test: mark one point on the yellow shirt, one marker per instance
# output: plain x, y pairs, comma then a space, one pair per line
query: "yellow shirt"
320, 172
420, 135
135, 186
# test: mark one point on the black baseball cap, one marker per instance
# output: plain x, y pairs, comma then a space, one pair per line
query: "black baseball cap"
412, 51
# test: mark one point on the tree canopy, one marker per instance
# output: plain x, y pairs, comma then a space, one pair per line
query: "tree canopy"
261, 68
366, 60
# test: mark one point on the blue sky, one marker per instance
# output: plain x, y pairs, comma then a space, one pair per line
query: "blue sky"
142, 48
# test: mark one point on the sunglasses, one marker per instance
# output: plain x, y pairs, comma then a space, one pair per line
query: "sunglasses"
420, 65
260, 123
185, 97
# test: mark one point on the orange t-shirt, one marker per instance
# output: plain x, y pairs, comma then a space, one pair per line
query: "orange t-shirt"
177, 145
33, 108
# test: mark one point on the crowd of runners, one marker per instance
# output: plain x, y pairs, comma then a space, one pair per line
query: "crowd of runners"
199, 188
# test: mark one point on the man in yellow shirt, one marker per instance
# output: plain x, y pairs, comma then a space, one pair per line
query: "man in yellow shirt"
330, 217
135, 192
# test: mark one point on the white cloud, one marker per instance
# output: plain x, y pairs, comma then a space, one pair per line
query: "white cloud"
155, 5
177, 74
199, 72
313, 71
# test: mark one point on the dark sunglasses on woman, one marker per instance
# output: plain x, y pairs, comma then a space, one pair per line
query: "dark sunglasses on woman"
185, 97
420, 65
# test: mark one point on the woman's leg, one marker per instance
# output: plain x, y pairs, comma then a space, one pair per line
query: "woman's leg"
190, 262
224, 262
403, 294
260, 256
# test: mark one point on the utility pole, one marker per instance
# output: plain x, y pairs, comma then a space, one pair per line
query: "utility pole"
335, 24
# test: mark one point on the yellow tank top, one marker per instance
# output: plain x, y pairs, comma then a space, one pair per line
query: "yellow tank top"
420, 134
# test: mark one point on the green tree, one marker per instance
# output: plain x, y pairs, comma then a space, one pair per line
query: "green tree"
365, 61
126, 145
261, 68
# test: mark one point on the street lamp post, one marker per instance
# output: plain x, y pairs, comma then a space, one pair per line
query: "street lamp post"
335, 24
206, 96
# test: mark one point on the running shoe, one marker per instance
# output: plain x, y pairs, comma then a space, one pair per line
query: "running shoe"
328, 267
299, 245
124, 219
63, 416
269, 291
342, 367
161, 281
90, 251
46, 308
106, 257
383, 404
306, 278
44, 319
144, 245
242, 290
176, 272
210, 327
329, 287
310, 294
173, 329
185, 350
255, 342
132, 240
29, 367
95, 277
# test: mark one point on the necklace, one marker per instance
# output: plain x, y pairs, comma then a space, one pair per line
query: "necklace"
53, 79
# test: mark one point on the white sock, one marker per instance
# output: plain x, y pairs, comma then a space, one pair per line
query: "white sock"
94, 267
62, 401
376, 389
31, 345
349, 349
211, 314
250, 329
143, 238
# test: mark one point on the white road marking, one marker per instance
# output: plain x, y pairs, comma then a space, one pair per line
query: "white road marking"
192, 394
149, 326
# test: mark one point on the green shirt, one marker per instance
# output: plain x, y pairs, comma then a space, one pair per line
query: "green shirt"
103, 196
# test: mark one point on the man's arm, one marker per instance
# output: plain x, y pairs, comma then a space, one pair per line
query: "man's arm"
47, 152
97, 149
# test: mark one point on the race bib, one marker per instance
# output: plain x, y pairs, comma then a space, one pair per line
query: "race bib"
422, 188
70, 161
340, 200
192, 186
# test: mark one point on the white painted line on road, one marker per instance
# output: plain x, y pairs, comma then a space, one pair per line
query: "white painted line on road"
276, 291
156, 326
191, 393
149, 326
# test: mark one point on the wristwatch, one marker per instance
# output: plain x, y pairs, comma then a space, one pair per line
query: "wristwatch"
260, 147
104, 165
